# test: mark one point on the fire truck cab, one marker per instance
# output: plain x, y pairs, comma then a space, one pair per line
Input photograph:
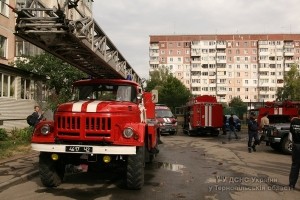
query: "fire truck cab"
203, 115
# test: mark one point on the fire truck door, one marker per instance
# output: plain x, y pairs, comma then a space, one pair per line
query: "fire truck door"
207, 114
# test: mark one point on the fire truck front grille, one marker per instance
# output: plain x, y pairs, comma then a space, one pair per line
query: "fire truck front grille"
73, 126
98, 123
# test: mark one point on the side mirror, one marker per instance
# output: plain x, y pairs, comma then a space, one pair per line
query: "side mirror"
139, 96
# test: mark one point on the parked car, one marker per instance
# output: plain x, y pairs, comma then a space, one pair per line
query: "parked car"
237, 123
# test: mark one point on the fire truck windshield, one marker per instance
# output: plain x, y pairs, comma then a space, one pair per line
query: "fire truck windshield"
105, 92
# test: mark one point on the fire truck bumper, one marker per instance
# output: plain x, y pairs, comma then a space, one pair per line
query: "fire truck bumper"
86, 149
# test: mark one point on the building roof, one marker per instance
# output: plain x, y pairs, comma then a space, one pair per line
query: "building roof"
20, 72
160, 38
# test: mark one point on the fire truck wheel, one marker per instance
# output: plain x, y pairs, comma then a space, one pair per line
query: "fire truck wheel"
51, 172
135, 169
286, 145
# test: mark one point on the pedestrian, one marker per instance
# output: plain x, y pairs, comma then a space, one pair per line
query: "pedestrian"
35, 117
264, 125
231, 127
252, 133
224, 124
295, 138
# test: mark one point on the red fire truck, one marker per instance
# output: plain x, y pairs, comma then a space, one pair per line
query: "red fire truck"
203, 115
280, 115
111, 120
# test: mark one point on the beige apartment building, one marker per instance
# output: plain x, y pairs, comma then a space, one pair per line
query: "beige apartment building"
249, 66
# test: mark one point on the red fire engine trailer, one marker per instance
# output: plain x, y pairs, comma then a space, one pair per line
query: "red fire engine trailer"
203, 115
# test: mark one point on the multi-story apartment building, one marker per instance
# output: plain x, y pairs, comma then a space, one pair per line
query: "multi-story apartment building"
249, 66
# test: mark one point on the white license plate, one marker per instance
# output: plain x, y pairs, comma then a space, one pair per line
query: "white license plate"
79, 149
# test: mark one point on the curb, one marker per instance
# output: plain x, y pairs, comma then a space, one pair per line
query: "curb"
18, 180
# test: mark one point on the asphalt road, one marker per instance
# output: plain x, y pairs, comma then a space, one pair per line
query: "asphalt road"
189, 168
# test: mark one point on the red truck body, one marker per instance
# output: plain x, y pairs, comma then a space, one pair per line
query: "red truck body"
109, 122
203, 115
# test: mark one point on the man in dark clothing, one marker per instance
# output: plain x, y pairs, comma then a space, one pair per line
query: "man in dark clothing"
35, 117
232, 127
224, 124
295, 138
252, 133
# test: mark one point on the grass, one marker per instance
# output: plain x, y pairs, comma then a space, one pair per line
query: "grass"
16, 142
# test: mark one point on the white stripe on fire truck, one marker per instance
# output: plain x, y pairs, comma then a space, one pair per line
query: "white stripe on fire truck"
92, 107
280, 111
77, 106
210, 115
206, 115
167, 120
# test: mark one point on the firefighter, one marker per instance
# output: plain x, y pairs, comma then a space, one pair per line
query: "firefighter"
252, 133
264, 125
232, 127
295, 138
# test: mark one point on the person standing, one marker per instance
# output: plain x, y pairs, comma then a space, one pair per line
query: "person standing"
231, 127
224, 124
264, 125
35, 117
252, 133
295, 138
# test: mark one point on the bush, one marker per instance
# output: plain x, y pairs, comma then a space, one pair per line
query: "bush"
3, 134
22, 135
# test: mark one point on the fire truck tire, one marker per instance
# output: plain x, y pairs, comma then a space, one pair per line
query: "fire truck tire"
135, 169
51, 172
286, 145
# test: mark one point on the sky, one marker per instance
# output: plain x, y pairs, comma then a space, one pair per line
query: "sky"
129, 23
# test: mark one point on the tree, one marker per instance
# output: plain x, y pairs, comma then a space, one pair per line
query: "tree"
60, 75
291, 86
238, 106
170, 90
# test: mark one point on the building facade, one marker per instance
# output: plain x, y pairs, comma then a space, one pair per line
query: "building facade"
249, 66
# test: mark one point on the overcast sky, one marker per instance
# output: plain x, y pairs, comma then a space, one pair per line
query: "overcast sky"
129, 23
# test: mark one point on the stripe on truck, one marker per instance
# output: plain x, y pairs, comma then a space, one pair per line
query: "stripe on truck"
92, 107
77, 106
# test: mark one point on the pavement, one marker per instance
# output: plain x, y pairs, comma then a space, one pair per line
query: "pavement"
18, 169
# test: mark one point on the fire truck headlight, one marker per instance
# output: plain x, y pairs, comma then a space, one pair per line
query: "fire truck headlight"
45, 130
128, 132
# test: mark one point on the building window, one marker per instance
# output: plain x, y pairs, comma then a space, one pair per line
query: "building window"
162, 45
170, 52
7, 85
170, 44
4, 8
178, 52
162, 52
3, 44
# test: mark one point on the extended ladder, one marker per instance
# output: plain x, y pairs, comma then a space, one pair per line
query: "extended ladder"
81, 43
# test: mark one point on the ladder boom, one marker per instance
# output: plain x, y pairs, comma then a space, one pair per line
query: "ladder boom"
81, 42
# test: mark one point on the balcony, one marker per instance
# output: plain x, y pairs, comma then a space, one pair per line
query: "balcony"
153, 54
154, 46
221, 46
288, 53
153, 62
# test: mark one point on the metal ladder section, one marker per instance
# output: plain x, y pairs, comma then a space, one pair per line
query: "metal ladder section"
81, 43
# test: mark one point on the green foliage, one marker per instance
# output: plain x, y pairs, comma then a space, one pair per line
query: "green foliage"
15, 141
22, 135
60, 75
291, 86
3, 134
237, 107
170, 90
